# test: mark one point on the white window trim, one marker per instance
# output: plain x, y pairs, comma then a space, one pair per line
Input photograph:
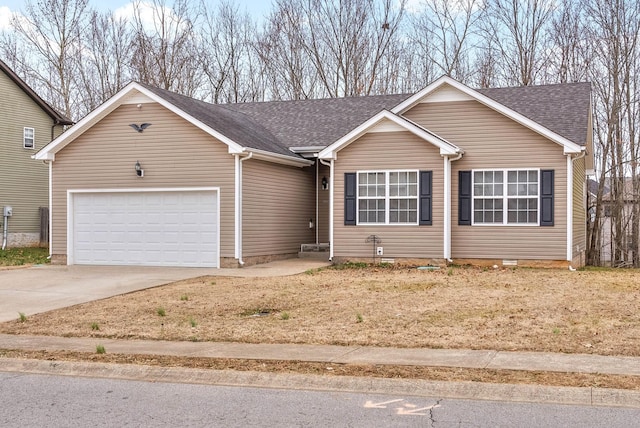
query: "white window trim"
24, 138
387, 197
505, 197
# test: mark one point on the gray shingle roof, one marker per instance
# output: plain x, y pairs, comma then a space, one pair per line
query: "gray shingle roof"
276, 126
562, 108
232, 124
318, 122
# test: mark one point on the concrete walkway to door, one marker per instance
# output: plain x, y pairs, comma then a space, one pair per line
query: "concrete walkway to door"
43, 288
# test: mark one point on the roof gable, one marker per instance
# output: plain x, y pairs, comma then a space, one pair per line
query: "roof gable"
235, 130
385, 121
447, 89
58, 119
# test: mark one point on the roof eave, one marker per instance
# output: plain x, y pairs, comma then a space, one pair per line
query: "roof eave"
277, 158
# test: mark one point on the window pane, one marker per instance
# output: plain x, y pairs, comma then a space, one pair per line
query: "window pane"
512, 176
478, 177
522, 176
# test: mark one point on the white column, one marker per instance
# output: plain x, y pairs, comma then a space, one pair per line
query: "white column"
569, 208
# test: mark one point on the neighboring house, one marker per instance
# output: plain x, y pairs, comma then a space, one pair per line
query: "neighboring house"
450, 173
608, 243
27, 124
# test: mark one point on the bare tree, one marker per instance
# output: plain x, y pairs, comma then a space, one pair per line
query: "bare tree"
164, 46
518, 30
226, 53
103, 63
444, 33
347, 41
571, 60
291, 74
614, 36
53, 30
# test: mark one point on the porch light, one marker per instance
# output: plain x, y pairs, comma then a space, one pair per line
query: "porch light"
325, 183
139, 170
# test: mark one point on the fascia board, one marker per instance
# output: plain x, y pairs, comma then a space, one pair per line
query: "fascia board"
569, 146
278, 158
331, 151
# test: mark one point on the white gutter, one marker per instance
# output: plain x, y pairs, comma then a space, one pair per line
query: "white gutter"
330, 165
238, 206
447, 205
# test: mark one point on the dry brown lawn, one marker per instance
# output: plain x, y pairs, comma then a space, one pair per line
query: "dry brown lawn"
591, 311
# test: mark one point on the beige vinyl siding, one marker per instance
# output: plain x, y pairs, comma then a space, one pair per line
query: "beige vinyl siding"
390, 151
491, 140
278, 202
24, 182
323, 205
172, 152
579, 207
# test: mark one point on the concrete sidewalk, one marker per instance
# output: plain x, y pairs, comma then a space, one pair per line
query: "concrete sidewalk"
477, 359
530, 361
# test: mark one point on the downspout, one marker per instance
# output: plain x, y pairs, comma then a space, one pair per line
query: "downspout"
238, 203
330, 165
447, 205
570, 161
4, 233
317, 202
50, 208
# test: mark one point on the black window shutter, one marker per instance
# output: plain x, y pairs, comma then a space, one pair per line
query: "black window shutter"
546, 197
350, 200
464, 198
426, 184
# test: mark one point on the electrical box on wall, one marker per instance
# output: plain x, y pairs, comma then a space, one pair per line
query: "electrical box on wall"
8, 211
380, 251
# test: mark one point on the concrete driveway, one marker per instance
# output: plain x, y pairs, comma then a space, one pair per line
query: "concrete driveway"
43, 288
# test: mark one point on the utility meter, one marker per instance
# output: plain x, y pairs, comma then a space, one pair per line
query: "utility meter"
8, 211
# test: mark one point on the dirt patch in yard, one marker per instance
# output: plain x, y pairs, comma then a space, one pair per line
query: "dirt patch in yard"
591, 311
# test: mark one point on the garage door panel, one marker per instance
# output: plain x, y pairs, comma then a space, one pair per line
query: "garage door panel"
146, 228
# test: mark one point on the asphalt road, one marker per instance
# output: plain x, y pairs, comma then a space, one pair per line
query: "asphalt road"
28, 400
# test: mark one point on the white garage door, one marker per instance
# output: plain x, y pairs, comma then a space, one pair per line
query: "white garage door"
145, 228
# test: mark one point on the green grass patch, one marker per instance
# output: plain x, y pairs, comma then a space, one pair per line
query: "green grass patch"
100, 349
351, 265
24, 256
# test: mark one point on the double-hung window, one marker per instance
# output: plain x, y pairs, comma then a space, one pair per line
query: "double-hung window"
29, 138
506, 197
388, 197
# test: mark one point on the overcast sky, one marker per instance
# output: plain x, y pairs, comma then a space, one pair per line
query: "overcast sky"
258, 8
